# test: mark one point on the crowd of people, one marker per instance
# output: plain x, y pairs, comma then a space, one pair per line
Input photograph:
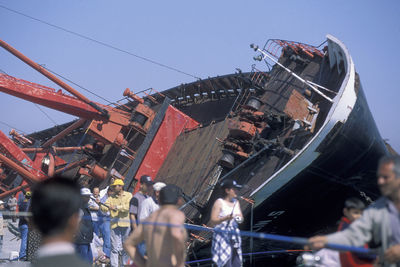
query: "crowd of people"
147, 228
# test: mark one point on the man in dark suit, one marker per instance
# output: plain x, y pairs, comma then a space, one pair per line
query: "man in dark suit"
55, 207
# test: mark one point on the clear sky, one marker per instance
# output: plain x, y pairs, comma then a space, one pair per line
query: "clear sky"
201, 38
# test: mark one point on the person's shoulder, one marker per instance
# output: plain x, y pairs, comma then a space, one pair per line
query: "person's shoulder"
219, 202
134, 201
176, 214
380, 203
65, 260
126, 193
137, 196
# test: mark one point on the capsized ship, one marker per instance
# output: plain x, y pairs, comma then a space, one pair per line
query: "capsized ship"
299, 136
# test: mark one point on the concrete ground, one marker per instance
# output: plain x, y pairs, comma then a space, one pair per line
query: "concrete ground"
10, 245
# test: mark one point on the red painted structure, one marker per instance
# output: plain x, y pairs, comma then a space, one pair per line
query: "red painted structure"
105, 123
174, 123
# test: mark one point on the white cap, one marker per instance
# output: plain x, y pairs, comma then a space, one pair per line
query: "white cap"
114, 173
85, 191
158, 186
1, 202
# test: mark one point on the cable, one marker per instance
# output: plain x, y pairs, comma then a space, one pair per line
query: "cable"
10, 126
87, 90
47, 115
3, 72
101, 43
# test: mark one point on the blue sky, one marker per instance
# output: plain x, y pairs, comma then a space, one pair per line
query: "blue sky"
202, 38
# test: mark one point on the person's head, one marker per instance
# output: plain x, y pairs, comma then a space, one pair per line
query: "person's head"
84, 181
96, 192
1, 205
229, 188
28, 195
114, 174
117, 186
169, 195
389, 176
146, 183
157, 188
353, 208
85, 195
55, 207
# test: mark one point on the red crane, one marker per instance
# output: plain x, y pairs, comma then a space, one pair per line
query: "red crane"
107, 124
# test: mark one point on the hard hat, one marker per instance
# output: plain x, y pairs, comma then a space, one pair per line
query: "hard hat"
117, 182
158, 186
85, 191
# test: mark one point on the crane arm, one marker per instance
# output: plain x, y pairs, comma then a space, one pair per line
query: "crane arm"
53, 78
48, 97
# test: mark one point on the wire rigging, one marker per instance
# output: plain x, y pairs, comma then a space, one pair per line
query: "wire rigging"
83, 88
12, 127
102, 43
45, 113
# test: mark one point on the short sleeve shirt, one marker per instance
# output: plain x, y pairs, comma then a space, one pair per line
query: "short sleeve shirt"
135, 203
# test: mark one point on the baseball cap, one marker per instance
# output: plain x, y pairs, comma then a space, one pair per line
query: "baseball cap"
146, 180
158, 186
85, 191
117, 182
229, 183
1, 202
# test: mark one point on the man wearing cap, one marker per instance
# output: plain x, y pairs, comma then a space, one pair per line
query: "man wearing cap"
23, 223
150, 204
118, 205
166, 245
85, 233
135, 206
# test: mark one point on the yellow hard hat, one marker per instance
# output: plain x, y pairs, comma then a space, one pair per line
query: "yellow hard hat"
28, 194
118, 182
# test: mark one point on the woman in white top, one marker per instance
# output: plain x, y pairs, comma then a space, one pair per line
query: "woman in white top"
225, 216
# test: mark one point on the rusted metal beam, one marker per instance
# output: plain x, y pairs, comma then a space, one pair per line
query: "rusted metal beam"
52, 77
27, 175
63, 133
12, 191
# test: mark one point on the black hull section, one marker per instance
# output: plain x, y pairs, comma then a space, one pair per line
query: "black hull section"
312, 202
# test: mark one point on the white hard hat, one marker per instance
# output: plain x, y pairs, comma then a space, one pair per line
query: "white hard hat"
1, 202
85, 191
158, 186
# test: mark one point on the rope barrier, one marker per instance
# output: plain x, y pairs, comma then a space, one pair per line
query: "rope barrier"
255, 253
273, 237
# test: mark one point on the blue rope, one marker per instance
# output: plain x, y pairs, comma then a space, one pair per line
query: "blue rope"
248, 254
281, 238
288, 239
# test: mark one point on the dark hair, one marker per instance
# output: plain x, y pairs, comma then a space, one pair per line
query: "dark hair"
392, 159
354, 203
228, 184
54, 201
170, 194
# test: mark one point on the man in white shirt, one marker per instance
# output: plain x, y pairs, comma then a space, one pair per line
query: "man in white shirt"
150, 204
